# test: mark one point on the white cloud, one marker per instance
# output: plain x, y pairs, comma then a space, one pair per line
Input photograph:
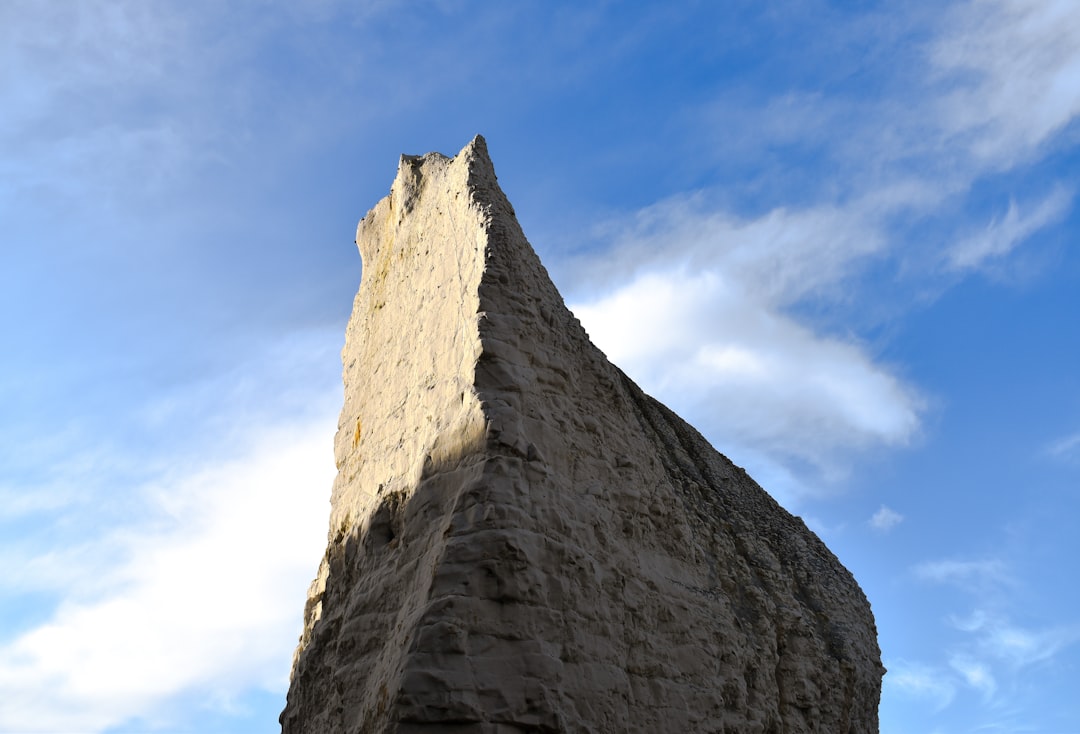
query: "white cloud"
1000, 638
698, 303
770, 383
80, 84
963, 573
987, 661
206, 595
119, 100
700, 322
976, 674
1067, 447
1015, 69
885, 519
782, 256
16, 503
913, 680
1001, 237
96, 43
993, 647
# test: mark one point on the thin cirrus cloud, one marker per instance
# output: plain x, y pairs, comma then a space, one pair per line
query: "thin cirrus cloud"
976, 674
1001, 236
979, 573
129, 56
998, 637
992, 650
922, 682
1065, 448
1021, 646
1025, 58
991, 657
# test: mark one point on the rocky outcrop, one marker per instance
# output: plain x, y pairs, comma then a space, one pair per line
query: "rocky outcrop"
522, 540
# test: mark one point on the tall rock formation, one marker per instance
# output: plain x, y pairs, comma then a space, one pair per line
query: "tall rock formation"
521, 540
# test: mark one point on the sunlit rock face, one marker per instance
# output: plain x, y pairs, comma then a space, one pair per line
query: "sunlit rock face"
521, 540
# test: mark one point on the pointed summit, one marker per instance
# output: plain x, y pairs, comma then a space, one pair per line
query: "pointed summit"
522, 540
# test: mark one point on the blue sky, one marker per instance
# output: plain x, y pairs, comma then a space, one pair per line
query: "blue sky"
838, 237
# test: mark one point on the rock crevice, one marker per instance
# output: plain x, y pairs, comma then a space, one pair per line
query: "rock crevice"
522, 540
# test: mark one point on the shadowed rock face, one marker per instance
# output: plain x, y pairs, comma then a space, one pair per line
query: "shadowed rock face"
522, 540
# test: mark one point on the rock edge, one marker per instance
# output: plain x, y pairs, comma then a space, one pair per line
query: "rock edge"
522, 540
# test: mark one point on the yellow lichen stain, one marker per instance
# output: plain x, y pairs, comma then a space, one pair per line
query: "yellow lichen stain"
359, 430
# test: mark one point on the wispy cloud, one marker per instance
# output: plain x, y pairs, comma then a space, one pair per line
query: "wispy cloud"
1065, 448
885, 519
701, 338
204, 593
1022, 647
913, 680
702, 305
1001, 236
968, 574
976, 675
171, 560
700, 320
1001, 639
121, 101
993, 651
83, 87
1013, 70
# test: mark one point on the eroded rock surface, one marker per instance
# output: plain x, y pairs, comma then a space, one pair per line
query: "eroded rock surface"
522, 540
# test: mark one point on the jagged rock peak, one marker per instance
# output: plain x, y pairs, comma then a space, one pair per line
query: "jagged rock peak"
522, 540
